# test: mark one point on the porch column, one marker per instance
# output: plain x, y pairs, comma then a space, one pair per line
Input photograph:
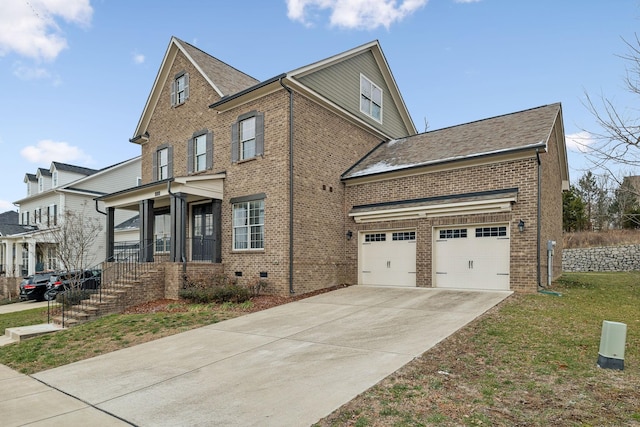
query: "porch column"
110, 233
32, 257
217, 231
147, 227
178, 211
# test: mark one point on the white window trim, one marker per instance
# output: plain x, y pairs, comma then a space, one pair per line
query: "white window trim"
161, 165
197, 155
242, 141
368, 113
181, 92
247, 226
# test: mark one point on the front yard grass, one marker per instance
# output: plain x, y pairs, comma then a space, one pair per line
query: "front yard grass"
531, 361
103, 335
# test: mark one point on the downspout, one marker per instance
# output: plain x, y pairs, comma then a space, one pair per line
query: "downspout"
98, 210
291, 290
539, 222
541, 289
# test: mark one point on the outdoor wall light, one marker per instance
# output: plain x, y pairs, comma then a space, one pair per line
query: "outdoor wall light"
521, 226
349, 234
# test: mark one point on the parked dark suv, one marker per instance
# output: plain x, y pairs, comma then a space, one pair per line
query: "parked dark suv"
33, 287
63, 281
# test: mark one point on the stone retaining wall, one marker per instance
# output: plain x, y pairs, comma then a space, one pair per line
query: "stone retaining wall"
605, 258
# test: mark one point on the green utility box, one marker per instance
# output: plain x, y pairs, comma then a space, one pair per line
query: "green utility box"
612, 342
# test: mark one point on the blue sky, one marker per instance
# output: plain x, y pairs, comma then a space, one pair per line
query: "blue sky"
75, 74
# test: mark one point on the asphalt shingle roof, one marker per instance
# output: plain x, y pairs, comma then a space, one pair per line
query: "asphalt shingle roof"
9, 224
493, 135
73, 168
228, 79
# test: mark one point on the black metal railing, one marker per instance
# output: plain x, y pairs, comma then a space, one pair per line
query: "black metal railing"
109, 295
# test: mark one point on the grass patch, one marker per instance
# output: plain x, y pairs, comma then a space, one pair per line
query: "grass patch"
34, 316
530, 361
103, 335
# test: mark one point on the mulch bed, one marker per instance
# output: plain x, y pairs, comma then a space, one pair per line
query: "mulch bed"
258, 303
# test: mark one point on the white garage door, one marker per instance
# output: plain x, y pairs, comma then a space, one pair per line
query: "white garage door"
388, 258
472, 257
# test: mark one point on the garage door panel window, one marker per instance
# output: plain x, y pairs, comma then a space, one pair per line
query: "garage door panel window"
404, 235
454, 233
491, 232
375, 237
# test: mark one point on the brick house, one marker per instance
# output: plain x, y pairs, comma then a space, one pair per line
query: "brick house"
250, 175
469, 206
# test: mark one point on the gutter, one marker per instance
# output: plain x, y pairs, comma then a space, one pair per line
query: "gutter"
225, 99
291, 290
438, 162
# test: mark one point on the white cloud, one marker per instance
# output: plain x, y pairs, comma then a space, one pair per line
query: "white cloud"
579, 141
358, 14
47, 151
138, 58
25, 72
31, 29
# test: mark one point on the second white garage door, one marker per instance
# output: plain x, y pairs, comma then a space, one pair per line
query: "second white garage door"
472, 257
388, 258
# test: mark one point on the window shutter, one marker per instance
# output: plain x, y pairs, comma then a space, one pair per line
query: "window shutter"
170, 161
186, 86
209, 150
154, 166
173, 93
235, 143
55, 214
259, 134
48, 216
190, 159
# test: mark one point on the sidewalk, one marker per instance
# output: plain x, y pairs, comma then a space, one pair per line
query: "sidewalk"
24, 400
21, 306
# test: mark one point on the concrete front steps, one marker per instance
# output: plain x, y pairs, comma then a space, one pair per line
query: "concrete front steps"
12, 335
111, 300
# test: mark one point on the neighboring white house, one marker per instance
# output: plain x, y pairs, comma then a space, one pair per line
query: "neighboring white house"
51, 192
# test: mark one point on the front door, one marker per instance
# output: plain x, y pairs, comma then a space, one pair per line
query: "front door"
202, 238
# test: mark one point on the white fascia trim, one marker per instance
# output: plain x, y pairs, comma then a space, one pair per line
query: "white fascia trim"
446, 209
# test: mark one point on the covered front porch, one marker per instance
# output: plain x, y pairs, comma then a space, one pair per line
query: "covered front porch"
180, 220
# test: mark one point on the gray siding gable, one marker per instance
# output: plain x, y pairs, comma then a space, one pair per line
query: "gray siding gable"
340, 83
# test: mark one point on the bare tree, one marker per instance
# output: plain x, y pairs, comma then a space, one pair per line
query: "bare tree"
618, 141
74, 237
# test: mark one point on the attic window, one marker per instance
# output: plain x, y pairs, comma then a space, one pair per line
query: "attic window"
370, 99
54, 178
180, 89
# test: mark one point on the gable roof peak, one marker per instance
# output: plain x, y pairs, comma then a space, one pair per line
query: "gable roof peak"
220, 76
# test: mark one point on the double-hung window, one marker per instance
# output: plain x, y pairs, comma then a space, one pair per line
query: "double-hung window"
370, 99
200, 152
248, 225
247, 136
180, 89
163, 163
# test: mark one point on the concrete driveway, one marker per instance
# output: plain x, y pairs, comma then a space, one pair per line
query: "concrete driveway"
287, 366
